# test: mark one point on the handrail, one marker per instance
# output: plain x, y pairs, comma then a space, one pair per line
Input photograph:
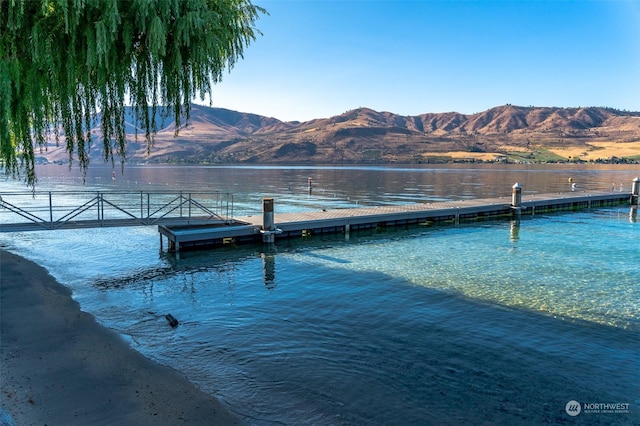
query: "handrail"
21, 211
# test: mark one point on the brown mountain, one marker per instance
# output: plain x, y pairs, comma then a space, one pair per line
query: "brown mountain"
365, 135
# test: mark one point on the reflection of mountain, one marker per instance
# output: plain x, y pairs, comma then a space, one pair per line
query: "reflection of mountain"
364, 135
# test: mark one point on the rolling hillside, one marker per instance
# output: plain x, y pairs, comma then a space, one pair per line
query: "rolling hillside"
507, 132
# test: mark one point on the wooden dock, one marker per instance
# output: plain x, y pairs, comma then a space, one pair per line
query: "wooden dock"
249, 229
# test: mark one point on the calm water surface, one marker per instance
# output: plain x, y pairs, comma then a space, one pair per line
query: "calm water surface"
488, 323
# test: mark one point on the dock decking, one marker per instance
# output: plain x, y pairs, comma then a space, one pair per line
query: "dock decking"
294, 225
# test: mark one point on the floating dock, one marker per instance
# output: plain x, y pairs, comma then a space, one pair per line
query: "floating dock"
270, 227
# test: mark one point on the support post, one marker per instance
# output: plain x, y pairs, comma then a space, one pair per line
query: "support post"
635, 191
50, 209
101, 209
516, 195
268, 225
516, 199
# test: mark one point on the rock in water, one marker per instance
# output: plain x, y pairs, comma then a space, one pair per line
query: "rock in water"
172, 321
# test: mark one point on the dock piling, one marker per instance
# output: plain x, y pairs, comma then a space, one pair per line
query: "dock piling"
267, 214
516, 199
516, 195
269, 229
635, 191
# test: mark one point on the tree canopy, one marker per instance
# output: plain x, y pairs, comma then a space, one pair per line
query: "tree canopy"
68, 64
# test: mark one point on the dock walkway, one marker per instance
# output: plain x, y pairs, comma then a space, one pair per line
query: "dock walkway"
301, 224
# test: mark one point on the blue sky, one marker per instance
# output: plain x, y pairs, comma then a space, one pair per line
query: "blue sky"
317, 59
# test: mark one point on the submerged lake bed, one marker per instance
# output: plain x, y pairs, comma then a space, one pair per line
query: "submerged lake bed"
479, 323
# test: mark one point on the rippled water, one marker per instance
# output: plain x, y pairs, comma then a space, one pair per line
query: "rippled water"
494, 322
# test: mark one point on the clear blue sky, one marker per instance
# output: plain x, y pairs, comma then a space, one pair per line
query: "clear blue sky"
317, 59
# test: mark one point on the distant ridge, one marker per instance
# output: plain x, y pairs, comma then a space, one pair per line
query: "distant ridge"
216, 135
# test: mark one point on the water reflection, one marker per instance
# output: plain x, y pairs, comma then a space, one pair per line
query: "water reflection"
514, 232
269, 266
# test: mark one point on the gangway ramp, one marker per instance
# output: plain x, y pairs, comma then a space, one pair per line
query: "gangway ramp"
51, 210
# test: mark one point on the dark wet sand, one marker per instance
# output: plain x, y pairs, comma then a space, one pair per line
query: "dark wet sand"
59, 367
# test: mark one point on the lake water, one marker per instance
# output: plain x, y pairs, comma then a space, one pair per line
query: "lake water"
486, 323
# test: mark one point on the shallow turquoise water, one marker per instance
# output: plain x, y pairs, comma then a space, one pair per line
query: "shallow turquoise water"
490, 322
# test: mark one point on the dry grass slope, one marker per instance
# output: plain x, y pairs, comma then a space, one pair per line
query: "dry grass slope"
507, 132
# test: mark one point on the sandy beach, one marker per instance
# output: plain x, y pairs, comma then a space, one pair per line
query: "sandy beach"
59, 367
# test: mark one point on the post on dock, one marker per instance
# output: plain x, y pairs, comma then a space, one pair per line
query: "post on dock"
268, 225
310, 184
516, 198
635, 191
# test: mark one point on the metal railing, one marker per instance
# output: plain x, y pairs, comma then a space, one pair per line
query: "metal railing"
25, 211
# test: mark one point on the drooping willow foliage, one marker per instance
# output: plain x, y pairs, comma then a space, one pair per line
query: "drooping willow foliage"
66, 65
